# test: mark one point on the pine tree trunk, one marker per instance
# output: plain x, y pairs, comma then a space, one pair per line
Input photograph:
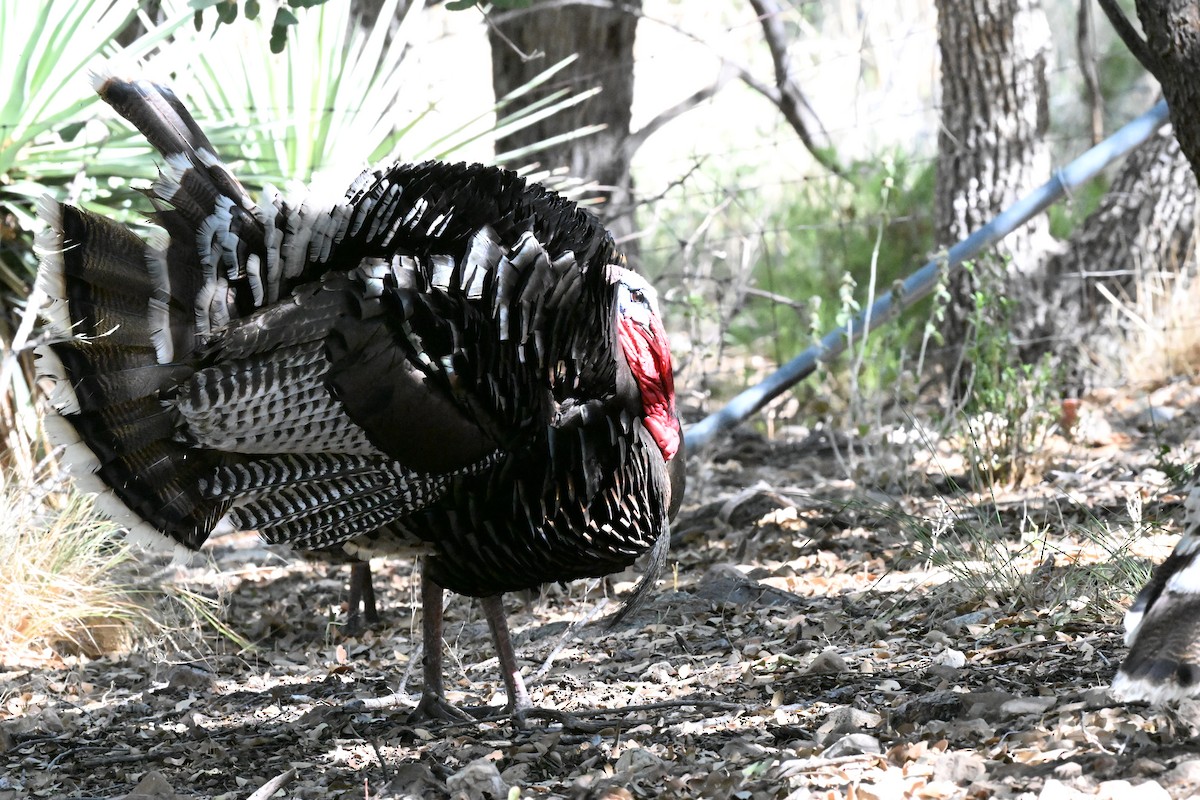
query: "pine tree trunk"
603, 38
991, 151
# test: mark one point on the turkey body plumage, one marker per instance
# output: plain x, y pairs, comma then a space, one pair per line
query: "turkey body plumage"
444, 361
1162, 627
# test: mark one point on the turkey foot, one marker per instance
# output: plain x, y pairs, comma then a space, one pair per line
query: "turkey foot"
435, 708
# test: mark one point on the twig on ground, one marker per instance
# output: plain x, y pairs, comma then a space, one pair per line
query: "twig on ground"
274, 785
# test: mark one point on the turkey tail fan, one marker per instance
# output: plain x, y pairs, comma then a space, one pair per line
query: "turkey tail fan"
1162, 628
107, 379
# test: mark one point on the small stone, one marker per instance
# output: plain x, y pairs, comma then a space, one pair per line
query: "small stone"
1124, 790
188, 676
827, 662
640, 761
950, 657
854, 744
1057, 790
959, 768
479, 780
1145, 767
152, 786
847, 719
1027, 705
1184, 772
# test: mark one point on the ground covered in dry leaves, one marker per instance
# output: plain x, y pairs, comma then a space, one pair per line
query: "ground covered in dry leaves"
814, 638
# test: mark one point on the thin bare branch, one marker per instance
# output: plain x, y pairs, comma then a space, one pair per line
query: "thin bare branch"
786, 95
1085, 43
638, 138
1129, 35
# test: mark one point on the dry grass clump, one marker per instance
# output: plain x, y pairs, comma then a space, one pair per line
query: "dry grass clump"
63, 572
1163, 336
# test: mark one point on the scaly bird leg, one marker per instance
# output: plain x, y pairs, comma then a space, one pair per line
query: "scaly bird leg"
518, 698
362, 599
433, 703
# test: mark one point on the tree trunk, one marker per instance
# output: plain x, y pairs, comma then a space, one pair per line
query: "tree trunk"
524, 43
1141, 232
991, 151
1173, 48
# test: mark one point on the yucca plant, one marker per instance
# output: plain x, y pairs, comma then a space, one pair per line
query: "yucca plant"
46, 51
327, 104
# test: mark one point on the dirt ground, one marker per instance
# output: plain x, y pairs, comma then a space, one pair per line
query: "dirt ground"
804, 643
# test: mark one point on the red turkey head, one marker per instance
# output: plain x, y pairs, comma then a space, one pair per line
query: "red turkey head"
648, 353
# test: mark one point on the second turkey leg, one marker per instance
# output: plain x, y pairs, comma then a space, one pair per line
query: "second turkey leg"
362, 599
433, 695
518, 697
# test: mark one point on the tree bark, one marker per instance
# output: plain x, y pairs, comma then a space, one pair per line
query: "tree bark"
1172, 54
527, 42
1142, 228
991, 151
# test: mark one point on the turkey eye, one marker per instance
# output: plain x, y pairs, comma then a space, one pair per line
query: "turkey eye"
637, 295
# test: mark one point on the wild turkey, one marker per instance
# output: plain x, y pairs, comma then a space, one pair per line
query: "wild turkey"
1162, 627
444, 359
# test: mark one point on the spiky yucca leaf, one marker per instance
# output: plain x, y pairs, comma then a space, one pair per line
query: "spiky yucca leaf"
46, 50
329, 103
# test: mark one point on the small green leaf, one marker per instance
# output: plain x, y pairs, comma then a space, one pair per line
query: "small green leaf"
252, 9
227, 12
279, 29
461, 5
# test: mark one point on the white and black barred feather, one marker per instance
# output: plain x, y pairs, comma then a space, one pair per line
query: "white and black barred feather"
1162, 627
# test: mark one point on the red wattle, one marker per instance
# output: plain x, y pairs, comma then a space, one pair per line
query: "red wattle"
649, 358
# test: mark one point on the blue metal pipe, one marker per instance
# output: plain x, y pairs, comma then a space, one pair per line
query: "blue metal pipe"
920, 283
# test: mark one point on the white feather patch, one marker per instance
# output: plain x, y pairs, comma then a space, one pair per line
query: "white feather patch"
169, 179
1127, 690
1186, 580
256, 283
62, 396
82, 463
48, 244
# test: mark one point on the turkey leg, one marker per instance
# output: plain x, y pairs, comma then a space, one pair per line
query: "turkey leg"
433, 703
518, 698
362, 599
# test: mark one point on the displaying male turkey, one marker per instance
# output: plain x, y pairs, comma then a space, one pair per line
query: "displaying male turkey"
444, 359
1162, 627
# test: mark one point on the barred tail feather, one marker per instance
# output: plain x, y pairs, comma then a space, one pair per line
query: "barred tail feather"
118, 438
1163, 627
